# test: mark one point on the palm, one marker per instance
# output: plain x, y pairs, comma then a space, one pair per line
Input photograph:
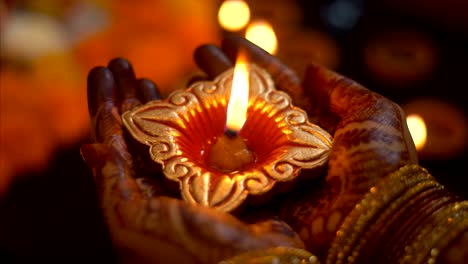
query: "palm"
368, 130
371, 138
144, 224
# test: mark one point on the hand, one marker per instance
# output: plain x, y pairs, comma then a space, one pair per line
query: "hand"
145, 225
371, 138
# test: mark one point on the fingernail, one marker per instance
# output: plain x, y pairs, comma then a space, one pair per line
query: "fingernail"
120, 64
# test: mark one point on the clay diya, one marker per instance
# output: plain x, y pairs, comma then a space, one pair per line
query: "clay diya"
217, 160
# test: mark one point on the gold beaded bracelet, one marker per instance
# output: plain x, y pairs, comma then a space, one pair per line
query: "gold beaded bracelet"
439, 220
276, 255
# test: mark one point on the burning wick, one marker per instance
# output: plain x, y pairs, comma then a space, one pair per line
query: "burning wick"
230, 152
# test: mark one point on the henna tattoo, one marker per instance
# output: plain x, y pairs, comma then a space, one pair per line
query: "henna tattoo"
369, 144
355, 206
138, 218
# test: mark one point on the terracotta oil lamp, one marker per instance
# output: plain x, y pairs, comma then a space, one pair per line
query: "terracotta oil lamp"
225, 139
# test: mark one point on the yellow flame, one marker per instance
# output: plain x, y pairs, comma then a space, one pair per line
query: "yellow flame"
233, 15
417, 129
239, 99
262, 34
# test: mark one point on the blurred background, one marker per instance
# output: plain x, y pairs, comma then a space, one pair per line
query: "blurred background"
413, 52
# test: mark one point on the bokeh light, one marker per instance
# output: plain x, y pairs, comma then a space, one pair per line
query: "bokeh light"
262, 34
418, 130
233, 15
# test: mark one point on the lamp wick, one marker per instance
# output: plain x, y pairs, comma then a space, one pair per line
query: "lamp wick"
230, 133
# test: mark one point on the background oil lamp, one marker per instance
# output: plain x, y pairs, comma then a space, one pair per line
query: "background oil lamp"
222, 144
439, 130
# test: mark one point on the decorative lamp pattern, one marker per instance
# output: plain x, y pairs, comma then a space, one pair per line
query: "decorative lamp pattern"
181, 130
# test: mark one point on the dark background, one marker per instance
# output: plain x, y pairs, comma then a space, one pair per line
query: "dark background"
53, 216
446, 24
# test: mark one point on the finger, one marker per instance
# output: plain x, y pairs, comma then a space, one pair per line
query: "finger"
101, 89
212, 60
102, 98
106, 125
285, 78
148, 90
126, 83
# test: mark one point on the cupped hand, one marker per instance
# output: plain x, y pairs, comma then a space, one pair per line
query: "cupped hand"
371, 138
144, 224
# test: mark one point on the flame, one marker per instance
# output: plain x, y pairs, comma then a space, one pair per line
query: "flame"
233, 15
239, 99
262, 34
417, 129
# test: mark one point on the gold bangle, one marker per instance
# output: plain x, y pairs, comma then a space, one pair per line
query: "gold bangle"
389, 215
276, 255
374, 203
436, 218
443, 226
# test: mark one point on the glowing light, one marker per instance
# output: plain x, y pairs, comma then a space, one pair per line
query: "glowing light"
261, 33
239, 99
233, 15
417, 129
